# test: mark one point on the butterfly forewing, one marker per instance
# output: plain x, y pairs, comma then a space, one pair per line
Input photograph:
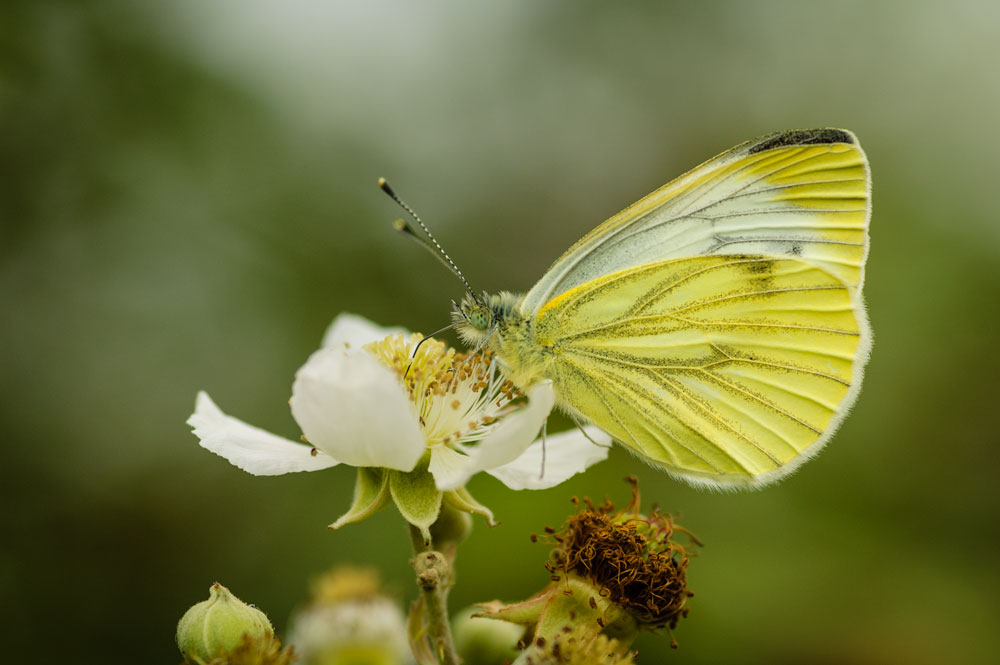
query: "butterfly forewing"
800, 194
723, 369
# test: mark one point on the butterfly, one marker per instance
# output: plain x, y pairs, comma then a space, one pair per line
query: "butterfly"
716, 327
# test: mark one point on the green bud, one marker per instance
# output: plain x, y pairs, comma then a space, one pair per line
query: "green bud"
217, 625
452, 526
482, 641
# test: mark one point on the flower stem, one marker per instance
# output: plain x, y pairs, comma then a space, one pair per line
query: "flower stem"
434, 577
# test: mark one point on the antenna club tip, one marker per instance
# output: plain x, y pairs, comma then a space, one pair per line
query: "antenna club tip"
384, 185
400, 224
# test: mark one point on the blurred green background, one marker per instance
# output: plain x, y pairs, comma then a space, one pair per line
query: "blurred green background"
188, 198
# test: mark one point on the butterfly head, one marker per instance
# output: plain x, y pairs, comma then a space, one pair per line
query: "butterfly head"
478, 317
473, 318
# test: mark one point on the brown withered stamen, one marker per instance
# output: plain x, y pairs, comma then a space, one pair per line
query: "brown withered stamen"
630, 556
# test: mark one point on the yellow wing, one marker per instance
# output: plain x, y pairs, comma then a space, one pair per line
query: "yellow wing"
724, 370
801, 194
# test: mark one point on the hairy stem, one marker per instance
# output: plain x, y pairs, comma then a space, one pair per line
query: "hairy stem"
434, 577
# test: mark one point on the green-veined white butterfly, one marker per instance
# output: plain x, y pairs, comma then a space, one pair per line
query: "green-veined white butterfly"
716, 327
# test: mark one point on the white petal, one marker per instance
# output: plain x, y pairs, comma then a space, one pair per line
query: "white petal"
354, 408
510, 438
566, 455
450, 468
352, 331
251, 448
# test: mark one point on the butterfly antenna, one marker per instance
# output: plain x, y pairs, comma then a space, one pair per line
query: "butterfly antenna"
417, 347
429, 243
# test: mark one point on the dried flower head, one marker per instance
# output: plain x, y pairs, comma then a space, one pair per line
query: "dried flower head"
631, 556
611, 572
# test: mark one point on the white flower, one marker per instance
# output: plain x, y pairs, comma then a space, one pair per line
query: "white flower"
349, 620
366, 400
371, 630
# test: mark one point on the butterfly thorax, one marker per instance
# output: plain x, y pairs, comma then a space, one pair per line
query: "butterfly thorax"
495, 322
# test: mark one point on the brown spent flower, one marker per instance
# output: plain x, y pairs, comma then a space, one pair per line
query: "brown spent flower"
632, 557
611, 573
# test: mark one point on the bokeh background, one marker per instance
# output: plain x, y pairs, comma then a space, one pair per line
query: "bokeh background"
188, 198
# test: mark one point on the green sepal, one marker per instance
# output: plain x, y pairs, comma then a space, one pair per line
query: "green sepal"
371, 494
417, 498
526, 613
570, 604
460, 499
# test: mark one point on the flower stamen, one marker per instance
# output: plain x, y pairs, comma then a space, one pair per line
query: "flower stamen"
458, 397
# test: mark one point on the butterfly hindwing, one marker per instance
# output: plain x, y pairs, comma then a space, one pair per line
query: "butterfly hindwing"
715, 327
801, 194
725, 370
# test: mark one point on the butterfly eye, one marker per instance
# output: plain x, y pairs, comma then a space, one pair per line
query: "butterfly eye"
478, 317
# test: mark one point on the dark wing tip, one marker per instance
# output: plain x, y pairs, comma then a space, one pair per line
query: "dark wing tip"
801, 137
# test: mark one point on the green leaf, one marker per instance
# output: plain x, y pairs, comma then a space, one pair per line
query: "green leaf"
417, 498
371, 494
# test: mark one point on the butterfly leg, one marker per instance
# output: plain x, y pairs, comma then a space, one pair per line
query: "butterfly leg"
579, 426
482, 342
545, 426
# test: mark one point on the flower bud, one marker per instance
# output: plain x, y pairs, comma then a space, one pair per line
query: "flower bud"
452, 526
217, 626
482, 641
